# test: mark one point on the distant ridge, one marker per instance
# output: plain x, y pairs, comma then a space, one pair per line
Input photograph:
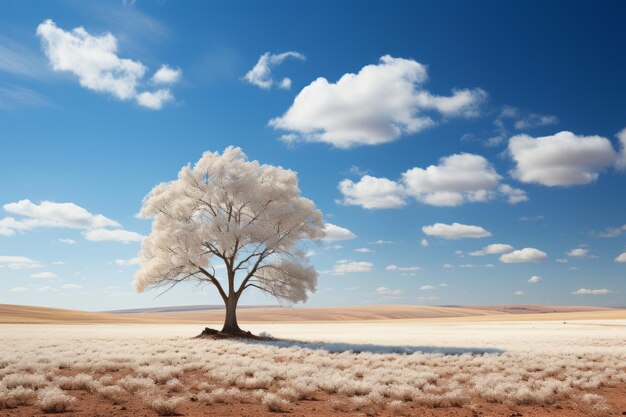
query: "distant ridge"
177, 309
211, 315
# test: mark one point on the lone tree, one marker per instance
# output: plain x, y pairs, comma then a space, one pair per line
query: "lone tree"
226, 209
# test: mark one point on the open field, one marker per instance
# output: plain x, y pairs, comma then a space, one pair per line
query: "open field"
530, 368
174, 315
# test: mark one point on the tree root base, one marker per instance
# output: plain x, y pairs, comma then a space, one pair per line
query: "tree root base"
209, 333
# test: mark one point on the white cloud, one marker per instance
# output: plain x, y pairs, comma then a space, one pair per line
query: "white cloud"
585, 291
379, 104
535, 120
514, 195
493, 249
154, 100
19, 289
18, 262
610, 232
127, 262
372, 193
344, 266
51, 214
117, 235
428, 288
535, 279
44, 275
562, 159
621, 160
94, 60
521, 120
387, 291
167, 75
402, 268
335, 233
72, 286
363, 250
455, 231
578, 253
67, 241
457, 179
380, 242
58, 263
518, 293
424, 243
261, 74
621, 258
524, 255
46, 288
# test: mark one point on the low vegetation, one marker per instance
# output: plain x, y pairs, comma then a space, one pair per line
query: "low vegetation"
166, 374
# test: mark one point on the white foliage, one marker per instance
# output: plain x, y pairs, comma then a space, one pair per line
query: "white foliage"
228, 209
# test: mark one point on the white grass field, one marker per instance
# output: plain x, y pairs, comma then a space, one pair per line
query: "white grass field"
378, 368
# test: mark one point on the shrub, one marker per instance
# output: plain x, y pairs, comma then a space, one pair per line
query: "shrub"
112, 393
82, 382
24, 380
54, 400
16, 397
275, 404
166, 407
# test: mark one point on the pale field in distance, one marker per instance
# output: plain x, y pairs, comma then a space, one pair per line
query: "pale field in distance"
374, 368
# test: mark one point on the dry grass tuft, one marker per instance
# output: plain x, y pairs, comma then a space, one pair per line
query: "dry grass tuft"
275, 404
54, 400
113, 393
166, 407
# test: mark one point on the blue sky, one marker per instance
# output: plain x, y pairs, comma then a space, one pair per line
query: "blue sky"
96, 117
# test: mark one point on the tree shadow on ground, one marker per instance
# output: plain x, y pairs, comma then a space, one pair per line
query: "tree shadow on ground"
377, 349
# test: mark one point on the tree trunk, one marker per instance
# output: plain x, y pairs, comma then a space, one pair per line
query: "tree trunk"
230, 320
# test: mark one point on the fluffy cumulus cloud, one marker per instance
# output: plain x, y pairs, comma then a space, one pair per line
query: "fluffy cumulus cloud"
493, 249
51, 214
377, 105
18, 262
167, 75
621, 160
63, 215
335, 233
261, 74
457, 179
402, 268
587, 291
621, 258
562, 159
345, 266
116, 235
578, 253
524, 255
455, 231
94, 60
372, 193
535, 279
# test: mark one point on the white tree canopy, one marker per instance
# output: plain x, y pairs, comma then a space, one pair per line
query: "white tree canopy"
227, 209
